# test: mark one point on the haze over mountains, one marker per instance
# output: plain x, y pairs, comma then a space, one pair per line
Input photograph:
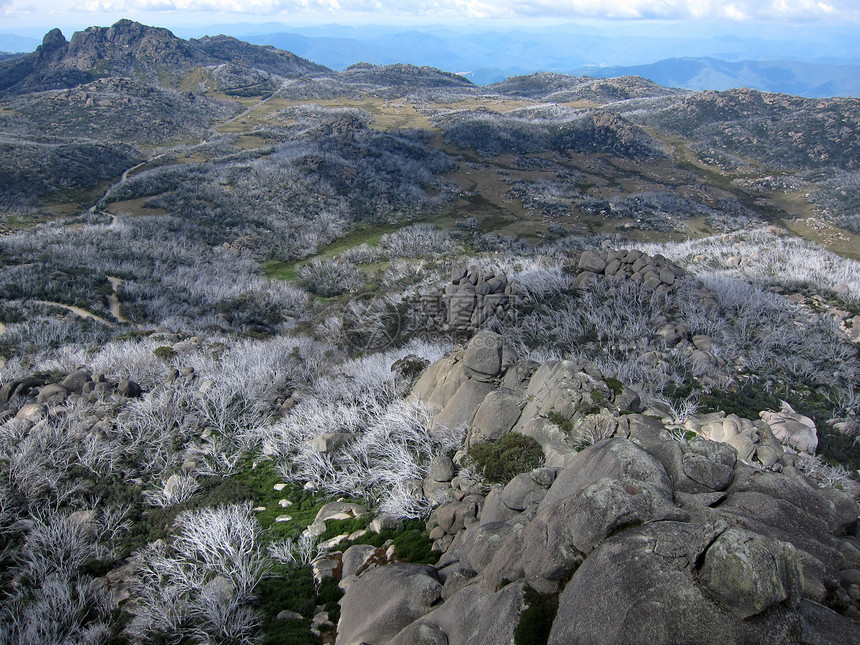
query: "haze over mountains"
805, 62
784, 76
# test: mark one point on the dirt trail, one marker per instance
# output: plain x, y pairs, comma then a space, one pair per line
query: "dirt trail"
83, 313
124, 177
214, 128
113, 300
132, 169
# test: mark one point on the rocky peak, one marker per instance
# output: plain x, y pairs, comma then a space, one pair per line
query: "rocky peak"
124, 33
130, 30
126, 44
53, 48
131, 49
53, 40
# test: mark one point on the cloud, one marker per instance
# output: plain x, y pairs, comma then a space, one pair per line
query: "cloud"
769, 10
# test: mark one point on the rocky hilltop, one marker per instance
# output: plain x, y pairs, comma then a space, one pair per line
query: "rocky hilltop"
413, 495
129, 48
402, 75
549, 86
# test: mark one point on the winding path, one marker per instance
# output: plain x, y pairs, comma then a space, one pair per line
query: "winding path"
124, 177
213, 132
82, 313
113, 305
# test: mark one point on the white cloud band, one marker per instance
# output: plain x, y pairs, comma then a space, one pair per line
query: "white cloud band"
770, 10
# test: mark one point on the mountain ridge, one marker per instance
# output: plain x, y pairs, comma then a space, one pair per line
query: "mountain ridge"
130, 48
491, 56
708, 73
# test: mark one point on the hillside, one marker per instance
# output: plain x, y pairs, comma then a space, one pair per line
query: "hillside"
293, 355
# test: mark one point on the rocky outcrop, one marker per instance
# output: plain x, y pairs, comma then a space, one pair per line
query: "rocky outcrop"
644, 530
401, 74
771, 442
367, 616
652, 273
747, 560
791, 428
79, 383
487, 390
474, 297
130, 49
549, 86
646, 582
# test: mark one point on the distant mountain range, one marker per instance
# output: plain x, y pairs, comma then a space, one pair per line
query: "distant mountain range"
707, 63
118, 87
17, 44
693, 61
788, 77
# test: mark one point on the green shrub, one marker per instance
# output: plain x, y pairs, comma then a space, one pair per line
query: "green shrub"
615, 385
410, 367
329, 592
164, 353
501, 461
536, 619
563, 424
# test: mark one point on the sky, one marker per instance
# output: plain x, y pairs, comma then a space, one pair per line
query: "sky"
20, 16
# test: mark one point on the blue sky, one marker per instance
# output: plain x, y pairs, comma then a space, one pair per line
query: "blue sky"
18, 15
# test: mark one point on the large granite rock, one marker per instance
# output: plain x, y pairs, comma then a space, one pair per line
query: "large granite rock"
384, 600
641, 586
791, 428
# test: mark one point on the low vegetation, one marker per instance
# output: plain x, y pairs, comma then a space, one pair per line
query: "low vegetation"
501, 461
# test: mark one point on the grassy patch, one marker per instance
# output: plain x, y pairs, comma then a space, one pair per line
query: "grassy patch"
277, 270
360, 234
261, 481
411, 542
